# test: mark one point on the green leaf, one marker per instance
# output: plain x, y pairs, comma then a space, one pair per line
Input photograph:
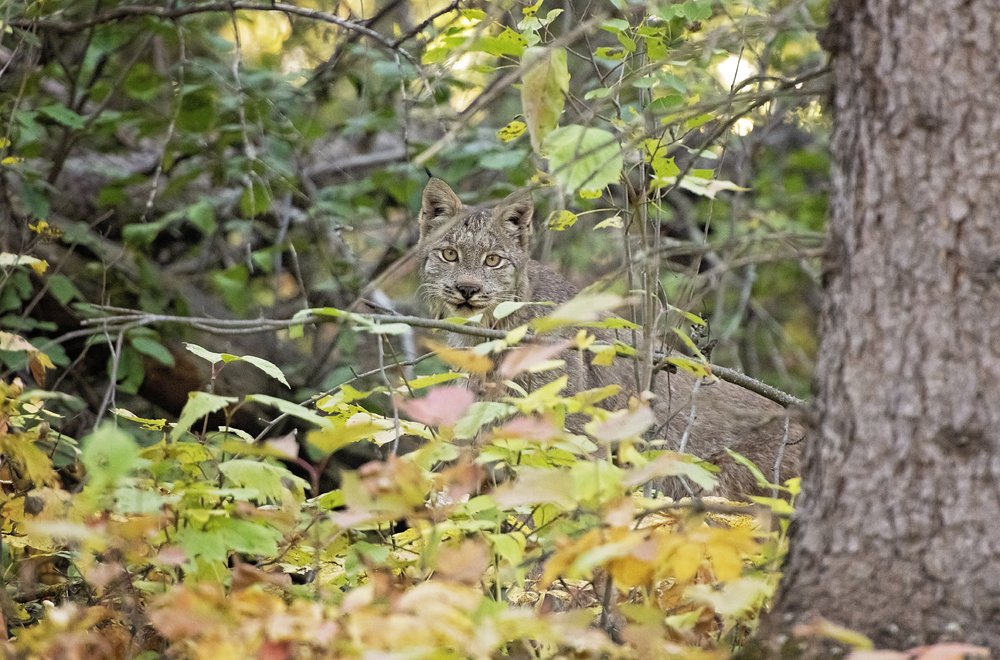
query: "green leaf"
289, 408
697, 368
507, 42
599, 93
690, 316
221, 535
544, 82
152, 348
509, 547
63, 289
695, 10
479, 415
503, 160
63, 115
202, 215
583, 308
198, 405
130, 372
255, 200
758, 475
583, 158
267, 479
203, 353
508, 307
252, 537
108, 454
615, 25
267, 367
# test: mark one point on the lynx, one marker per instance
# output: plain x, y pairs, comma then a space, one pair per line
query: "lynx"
473, 258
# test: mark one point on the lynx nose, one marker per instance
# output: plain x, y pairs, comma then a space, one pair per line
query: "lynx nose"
467, 289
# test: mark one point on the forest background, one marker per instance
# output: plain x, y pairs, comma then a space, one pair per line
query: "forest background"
211, 365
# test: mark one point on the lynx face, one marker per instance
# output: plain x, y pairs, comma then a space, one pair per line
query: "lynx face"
472, 258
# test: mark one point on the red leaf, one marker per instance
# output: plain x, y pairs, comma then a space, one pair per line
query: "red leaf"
525, 357
443, 406
528, 428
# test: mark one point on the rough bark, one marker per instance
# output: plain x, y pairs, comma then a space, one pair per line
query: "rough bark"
896, 535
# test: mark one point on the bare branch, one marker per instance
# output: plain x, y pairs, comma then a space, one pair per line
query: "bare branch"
115, 317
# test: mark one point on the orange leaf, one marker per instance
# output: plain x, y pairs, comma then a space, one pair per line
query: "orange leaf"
460, 358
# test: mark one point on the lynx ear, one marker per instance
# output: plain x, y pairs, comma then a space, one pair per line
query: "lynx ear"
439, 201
514, 214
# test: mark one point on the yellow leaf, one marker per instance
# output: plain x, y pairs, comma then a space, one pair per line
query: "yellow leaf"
820, 627
516, 335
630, 571
460, 358
543, 397
512, 131
726, 562
583, 339
421, 382
11, 342
561, 220
38, 362
538, 486
347, 431
532, 10
45, 230
581, 309
581, 400
733, 599
564, 557
685, 559
614, 222
31, 462
544, 82
149, 424
698, 369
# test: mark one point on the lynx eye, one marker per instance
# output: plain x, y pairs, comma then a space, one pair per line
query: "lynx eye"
493, 260
449, 254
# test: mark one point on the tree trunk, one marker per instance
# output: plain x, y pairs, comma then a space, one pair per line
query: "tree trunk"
898, 531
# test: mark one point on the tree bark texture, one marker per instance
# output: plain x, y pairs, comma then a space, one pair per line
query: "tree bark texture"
898, 530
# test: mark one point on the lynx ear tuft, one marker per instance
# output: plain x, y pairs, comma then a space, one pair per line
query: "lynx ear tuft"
514, 214
439, 201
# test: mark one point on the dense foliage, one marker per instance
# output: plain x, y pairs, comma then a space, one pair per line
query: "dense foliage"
219, 437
